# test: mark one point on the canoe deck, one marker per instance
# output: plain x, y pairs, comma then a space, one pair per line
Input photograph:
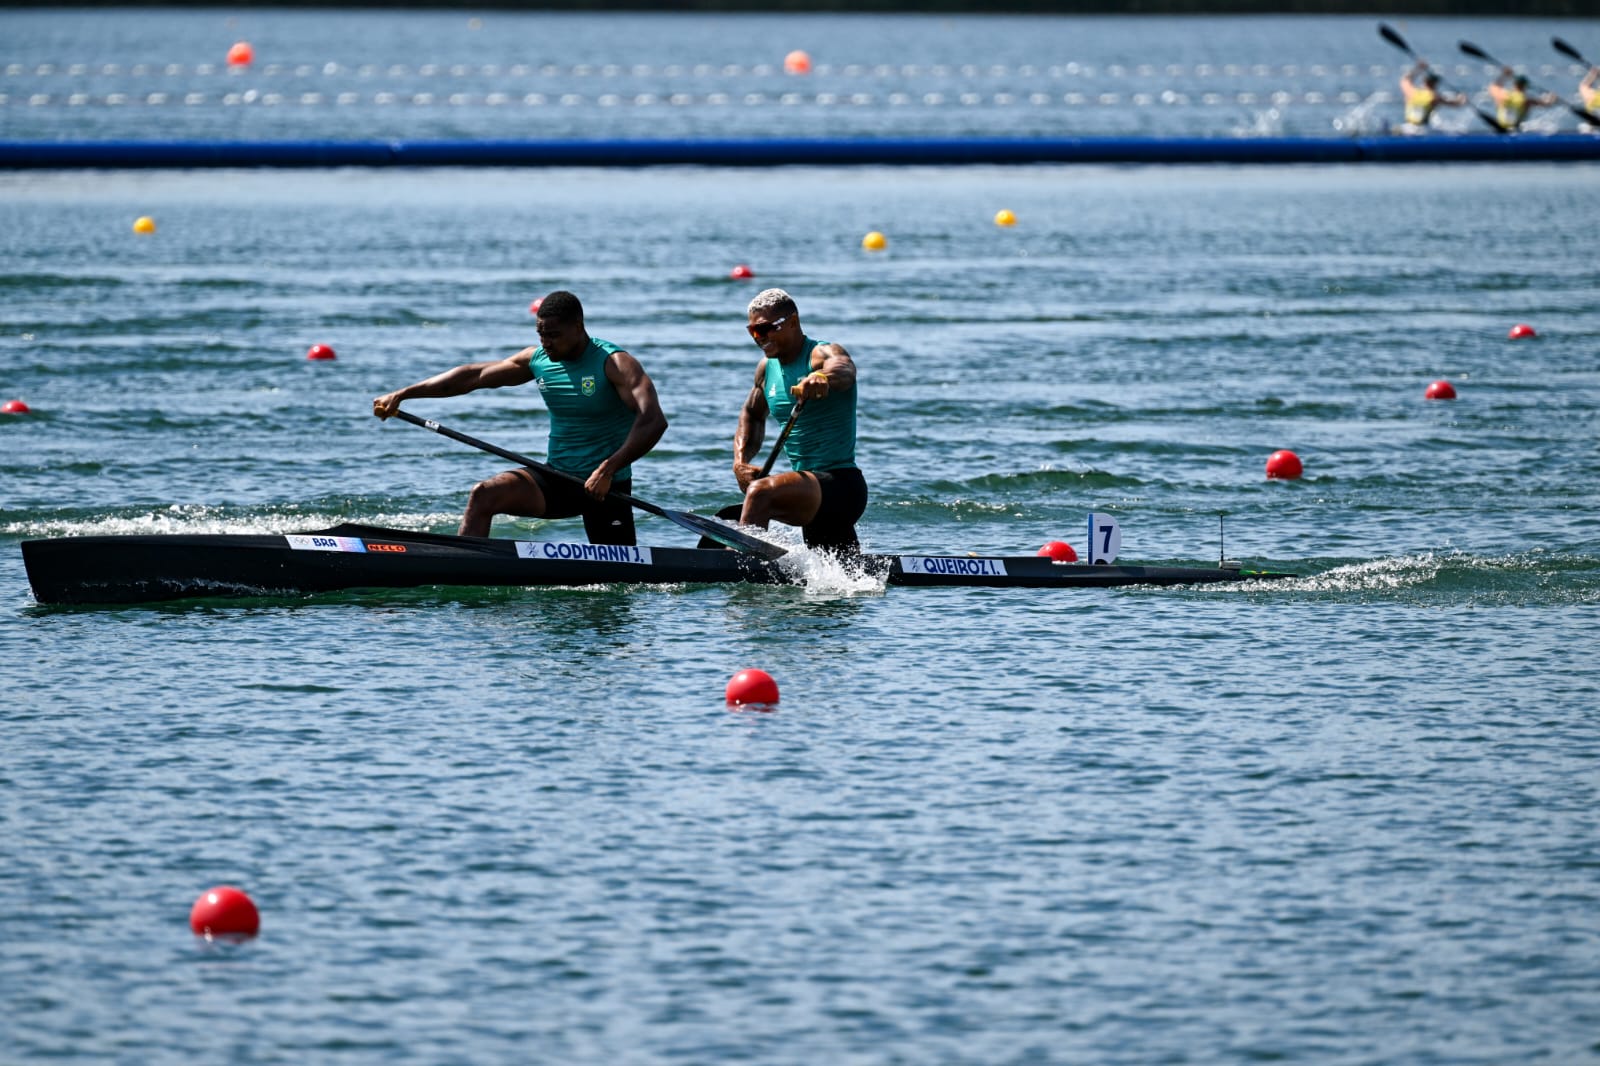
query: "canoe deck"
152, 568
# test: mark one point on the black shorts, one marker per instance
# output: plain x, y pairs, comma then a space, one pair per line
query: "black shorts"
844, 501
607, 521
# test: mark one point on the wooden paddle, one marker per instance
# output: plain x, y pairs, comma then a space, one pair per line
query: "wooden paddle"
1390, 34
1478, 53
707, 527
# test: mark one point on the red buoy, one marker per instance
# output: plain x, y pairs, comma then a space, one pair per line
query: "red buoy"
1521, 330
320, 351
241, 54
751, 686
741, 273
1284, 464
1440, 390
1059, 551
14, 407
533, 308
224, 911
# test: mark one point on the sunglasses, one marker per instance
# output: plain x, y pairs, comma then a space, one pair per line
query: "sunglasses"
759, 330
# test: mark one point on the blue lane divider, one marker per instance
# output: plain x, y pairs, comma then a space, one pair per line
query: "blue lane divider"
17, 155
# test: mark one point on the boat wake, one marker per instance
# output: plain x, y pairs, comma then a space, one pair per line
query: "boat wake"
200, 518
1456, 577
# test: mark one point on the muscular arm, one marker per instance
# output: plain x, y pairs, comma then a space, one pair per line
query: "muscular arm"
457, 381
837, 370
752, 430
638, 393
1497, 88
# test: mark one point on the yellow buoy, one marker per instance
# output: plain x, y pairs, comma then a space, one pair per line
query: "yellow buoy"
1005, 217
874, 242
144, 224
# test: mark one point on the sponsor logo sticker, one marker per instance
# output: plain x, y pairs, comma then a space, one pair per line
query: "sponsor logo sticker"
374, 546
311, 543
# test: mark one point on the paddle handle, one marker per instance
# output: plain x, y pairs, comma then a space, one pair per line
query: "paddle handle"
521, 460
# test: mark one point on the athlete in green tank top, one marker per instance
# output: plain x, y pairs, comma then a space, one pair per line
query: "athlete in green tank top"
588, 420
826, 438
604, 414
824, 492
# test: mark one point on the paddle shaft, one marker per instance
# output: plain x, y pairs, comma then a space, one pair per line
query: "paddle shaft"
707, 527
523, 460
1478, 53
734, 511
696, 524
783, 435
1390, 34
1475, 52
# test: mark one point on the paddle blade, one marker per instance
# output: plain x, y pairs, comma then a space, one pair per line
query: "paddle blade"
1390, 34
1567, 50
1477, 53
731, 513
727, 536
1489, 120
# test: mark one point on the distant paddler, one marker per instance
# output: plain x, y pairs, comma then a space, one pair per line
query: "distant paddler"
604, 415
1589, 93
823, 492
1588, 88
1422, 94
1513, 100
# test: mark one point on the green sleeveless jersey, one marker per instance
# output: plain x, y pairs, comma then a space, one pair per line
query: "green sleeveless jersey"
824, 436
588, 420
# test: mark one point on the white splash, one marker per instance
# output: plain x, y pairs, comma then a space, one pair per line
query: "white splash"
1364, 119
823, 575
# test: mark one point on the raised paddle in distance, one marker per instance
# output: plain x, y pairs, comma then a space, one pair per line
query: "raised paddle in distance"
1567, 50
1392, 35
1478, 53
706, 527
734, 511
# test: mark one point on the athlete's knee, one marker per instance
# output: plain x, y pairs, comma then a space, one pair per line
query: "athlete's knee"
761, 490
758, 501
484, 496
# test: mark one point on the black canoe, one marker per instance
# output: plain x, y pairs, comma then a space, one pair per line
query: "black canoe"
147, 568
